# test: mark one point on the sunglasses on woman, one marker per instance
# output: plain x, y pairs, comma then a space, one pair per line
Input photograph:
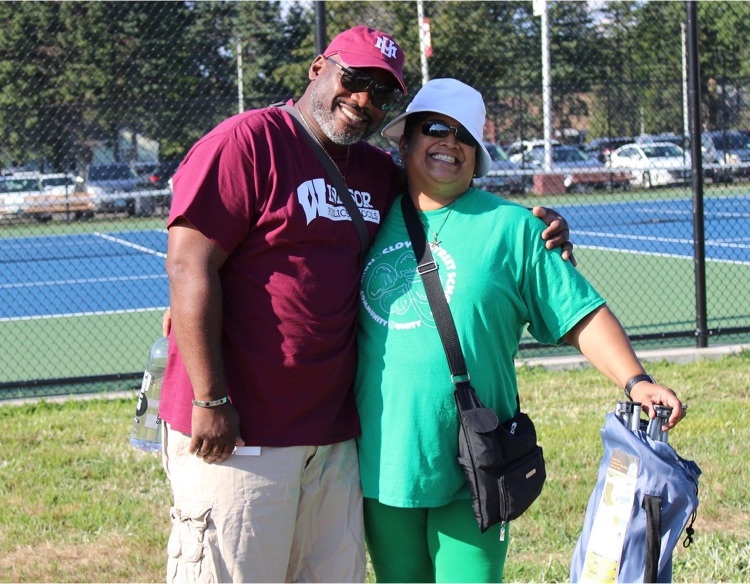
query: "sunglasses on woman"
382, 96
438, 129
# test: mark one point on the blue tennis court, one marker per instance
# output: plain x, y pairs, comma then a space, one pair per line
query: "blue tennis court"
123, 271
83, 274
664, 227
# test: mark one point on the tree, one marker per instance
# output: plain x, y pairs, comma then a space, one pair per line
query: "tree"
615, 96
272, 75
75, 73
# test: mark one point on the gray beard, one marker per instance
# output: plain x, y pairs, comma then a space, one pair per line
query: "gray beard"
324, 117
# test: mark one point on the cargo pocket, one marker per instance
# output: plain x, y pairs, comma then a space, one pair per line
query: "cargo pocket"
190, 557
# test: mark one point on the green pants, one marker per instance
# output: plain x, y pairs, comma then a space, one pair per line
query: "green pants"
438, 544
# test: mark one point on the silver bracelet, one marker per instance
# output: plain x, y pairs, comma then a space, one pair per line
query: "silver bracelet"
212, 403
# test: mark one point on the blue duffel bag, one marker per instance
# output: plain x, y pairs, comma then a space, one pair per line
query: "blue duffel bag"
644, 498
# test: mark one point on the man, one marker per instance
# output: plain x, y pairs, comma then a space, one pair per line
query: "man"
264, 268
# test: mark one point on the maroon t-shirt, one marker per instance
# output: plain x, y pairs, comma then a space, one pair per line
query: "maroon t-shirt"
290, 285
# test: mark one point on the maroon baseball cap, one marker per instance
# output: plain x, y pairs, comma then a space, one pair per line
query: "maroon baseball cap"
366, 47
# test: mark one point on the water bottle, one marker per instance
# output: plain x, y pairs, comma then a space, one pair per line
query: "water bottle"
147, 426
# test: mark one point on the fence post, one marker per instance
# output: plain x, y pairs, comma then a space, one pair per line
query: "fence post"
699, 242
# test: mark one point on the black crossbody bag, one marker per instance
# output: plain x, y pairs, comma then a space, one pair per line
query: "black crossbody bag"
503, 463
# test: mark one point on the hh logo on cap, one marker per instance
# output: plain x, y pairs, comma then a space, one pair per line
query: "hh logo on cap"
387, 47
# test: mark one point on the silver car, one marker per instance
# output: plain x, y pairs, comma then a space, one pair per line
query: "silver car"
504, 176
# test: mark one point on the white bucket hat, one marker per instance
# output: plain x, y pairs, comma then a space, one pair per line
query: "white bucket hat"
452, 98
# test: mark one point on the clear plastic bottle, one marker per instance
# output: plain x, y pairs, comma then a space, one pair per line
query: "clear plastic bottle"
147, 426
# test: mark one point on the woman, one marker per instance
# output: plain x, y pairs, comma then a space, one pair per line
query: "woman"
498, 279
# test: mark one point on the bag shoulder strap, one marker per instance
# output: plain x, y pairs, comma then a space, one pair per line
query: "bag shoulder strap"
336, 178
652, 505
428, 270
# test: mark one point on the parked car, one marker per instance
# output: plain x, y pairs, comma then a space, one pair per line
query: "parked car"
653, 164
517, 149
39, 196
733, 148
581, 173
159, 176
14, 188
670, 137
714, 167
504, 176
144, 169
601, 148
118, 188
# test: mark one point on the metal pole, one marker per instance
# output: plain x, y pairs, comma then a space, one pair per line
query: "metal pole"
546, 89
321, 41
240, 97
694, 98
685, 105
422, 42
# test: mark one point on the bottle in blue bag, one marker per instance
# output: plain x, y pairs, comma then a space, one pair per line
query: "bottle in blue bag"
146, 431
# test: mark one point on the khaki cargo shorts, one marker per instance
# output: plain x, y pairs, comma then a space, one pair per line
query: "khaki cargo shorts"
290, 514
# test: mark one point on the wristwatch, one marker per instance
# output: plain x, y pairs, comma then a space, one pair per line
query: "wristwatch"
634, 380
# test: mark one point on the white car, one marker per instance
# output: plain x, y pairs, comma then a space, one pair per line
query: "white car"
653, 164
518, 148
39, 196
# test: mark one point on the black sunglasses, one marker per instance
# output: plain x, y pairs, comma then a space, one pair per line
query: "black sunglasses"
383, 96
437, 129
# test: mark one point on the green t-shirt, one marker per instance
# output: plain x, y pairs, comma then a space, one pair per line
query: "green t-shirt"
498, 278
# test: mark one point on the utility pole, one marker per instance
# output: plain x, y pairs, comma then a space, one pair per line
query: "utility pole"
425, 41
540, 9
240, 97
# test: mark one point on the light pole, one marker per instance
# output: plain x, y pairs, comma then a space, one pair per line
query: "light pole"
425, 41
540, 9
240, 97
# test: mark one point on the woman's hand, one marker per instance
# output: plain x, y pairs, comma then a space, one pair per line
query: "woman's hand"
653, 394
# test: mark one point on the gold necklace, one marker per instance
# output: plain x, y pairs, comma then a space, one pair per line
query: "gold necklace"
320, 143
435, 243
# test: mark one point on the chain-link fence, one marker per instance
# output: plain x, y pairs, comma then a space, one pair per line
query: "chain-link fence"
100, 100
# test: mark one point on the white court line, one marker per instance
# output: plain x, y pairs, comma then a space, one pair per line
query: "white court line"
657, 254
74, 314
129, 244
659, 239
81, 281
689, 213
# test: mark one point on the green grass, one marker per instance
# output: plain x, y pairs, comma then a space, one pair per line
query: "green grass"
81, 505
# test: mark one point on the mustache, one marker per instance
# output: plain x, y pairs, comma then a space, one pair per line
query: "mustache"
364, 113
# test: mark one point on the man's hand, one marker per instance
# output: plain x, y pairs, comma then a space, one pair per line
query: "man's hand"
557, 233
216, 431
